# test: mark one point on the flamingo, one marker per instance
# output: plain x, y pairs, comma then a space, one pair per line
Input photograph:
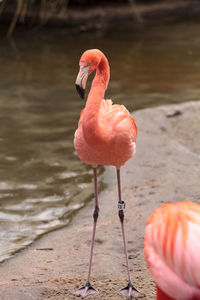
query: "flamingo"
106, 135
172, 250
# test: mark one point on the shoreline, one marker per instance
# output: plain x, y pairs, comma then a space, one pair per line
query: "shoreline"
164, 169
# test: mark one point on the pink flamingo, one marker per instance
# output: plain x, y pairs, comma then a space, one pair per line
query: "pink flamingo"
106, 135
172, 250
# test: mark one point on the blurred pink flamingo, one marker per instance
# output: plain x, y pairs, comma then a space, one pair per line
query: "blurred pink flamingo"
172, 250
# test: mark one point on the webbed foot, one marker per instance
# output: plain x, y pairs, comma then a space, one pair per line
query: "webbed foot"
129, 291
86, 290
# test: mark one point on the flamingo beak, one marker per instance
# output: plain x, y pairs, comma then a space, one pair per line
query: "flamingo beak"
81, 80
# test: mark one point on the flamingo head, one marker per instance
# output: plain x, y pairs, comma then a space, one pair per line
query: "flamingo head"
89, 61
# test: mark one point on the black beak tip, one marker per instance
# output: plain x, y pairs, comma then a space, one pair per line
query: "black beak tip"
80, 91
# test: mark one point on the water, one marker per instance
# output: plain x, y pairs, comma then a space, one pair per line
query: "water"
42, 181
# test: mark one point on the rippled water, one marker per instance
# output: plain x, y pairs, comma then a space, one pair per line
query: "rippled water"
42, 182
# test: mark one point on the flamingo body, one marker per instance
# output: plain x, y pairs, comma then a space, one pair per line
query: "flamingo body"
106, 133
172, 250
117, 145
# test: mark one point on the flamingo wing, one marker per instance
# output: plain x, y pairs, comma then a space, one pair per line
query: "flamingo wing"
117, 119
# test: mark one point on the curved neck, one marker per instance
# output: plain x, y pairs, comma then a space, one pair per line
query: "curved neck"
91, 127
161, 295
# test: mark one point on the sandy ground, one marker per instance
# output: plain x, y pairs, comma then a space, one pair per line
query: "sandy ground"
165, 168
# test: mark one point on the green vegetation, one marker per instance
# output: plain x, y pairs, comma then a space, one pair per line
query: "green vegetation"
45, 10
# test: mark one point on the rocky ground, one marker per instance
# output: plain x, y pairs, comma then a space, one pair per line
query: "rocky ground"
102, 16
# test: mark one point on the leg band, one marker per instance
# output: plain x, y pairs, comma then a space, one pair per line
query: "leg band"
121, 205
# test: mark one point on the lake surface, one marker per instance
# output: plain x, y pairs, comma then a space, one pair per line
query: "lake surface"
42, 181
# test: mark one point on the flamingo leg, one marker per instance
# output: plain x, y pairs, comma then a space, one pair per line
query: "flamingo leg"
129, 290
87, 289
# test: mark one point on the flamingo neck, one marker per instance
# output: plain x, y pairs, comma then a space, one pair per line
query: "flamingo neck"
161, 295
91, 128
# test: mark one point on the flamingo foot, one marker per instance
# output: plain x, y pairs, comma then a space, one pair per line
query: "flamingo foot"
86, 290
129, 291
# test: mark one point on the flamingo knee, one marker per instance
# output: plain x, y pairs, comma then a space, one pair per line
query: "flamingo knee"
96, 213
